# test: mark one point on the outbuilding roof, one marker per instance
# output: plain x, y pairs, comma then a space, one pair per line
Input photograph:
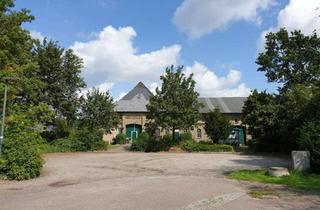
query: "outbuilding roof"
224, 104
134, 101
137, 99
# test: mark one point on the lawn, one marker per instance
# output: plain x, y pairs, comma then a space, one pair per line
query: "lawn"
296, 179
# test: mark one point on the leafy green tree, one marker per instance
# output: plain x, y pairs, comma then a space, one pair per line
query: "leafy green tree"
175, 104
260, 113
309, 140
217, 126
59, 70
291, 58
291, 114
97, 111
16, 61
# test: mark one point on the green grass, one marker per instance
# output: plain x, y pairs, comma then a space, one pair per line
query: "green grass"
262, 192
191, 146
296, 179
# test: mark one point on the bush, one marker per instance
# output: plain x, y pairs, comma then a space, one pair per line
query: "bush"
21, 156
145, 143
79, 140
192, 146
66, 145
142, 143
187, 136
90, 140
120, 139
310, 140
217, 126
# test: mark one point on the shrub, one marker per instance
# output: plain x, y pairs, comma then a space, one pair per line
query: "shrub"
120, 139
79, 140
310, 140
145, 143
187, 136
90, 140
142, 143
217, 126
21, 155
192, 146
66, 145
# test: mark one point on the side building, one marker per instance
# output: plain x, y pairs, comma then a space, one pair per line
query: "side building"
132, 112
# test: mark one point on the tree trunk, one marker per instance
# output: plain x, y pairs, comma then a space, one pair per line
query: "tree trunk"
173, 129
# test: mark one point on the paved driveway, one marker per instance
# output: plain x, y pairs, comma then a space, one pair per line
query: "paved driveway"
136, 181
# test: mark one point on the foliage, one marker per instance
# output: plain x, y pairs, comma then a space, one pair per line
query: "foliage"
310, 140
79, 140
59, 70
260, 114
192, 146
120, 139
295, 179
187, 136
145, 143
90, 140
175, 104
291, 114
291, 59
97, 111
15, 58
217, 126
21, 150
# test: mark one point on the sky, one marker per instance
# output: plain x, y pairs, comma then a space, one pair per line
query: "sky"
123, 42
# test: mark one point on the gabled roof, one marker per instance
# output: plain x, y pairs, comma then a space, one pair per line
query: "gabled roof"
137, 99
134, 101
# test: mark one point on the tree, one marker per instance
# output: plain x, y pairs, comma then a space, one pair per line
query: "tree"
260, 113
15, 58
59, 70
291, 58
97, 111
217, 126
175, 104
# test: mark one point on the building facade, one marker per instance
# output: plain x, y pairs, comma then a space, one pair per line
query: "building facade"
132, 112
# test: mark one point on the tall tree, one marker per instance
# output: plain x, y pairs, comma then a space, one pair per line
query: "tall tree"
291, 58
59, 70
175, 104
260, 113
16, 60
217, 126
97, 111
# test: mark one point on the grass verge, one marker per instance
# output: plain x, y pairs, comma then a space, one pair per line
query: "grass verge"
296, 179
263, 193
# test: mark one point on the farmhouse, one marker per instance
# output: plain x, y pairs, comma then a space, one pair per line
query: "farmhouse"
132, 112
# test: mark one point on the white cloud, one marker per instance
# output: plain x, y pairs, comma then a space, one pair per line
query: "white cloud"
103, 87
37, 35
111, 56
121, 95
297, 15
200, 17
208, 84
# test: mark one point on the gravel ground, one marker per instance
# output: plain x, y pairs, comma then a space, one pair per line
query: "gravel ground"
126, 180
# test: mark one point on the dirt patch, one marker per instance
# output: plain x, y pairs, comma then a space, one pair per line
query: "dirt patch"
15, 188
61, 184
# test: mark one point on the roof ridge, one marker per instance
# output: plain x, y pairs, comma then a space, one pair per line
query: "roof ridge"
139, 85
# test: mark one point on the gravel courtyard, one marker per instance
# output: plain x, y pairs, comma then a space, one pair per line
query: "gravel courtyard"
125, 180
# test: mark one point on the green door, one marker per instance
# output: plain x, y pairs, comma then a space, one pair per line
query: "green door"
133, 131
241, 136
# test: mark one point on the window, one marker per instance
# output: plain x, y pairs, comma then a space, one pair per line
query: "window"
199, 134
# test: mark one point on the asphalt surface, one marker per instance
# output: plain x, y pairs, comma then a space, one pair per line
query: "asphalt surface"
126, 180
